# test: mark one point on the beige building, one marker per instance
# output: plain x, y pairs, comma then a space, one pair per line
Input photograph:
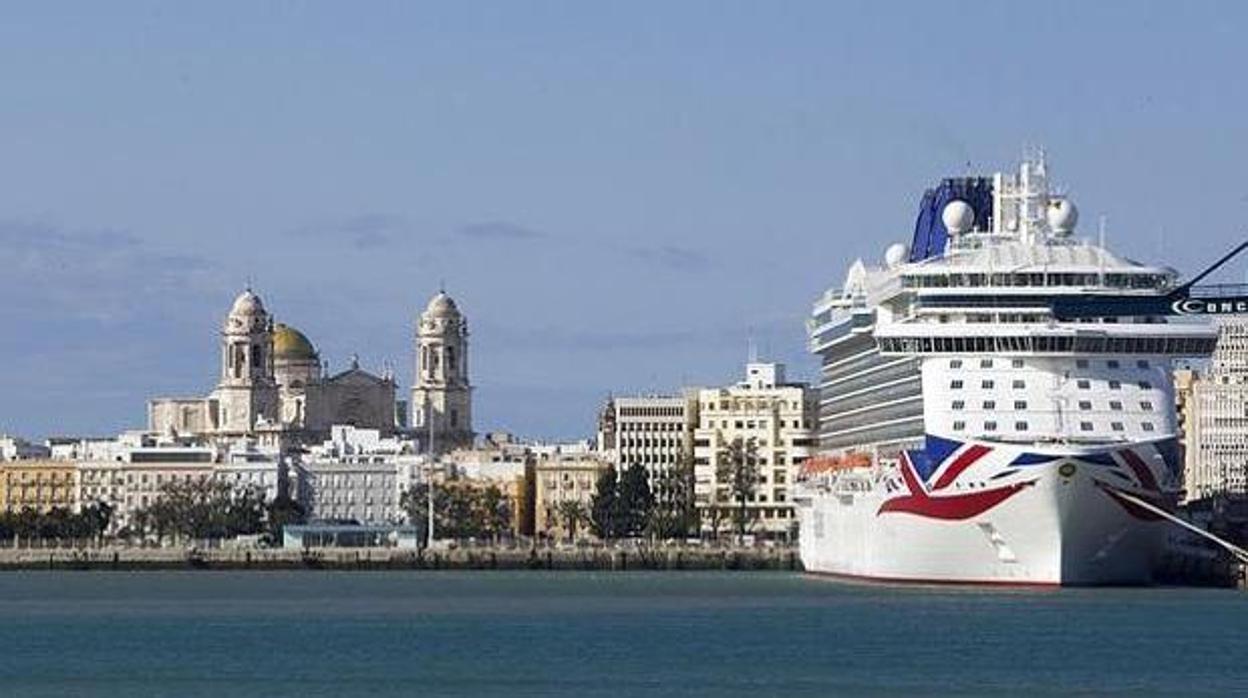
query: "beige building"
274, 388
1217, 444
40, 485
564, 493
778, 417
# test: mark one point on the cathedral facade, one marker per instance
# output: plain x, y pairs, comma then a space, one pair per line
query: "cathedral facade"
275, 389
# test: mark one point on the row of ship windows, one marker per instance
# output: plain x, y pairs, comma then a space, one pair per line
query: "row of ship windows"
991, 425
1115, 405
1191, 346
1035, 279
1079, 363
1082, 383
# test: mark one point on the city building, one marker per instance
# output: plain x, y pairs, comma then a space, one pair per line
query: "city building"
137, 477
1217, 459
40, 485
655, 432
777, 417
356, 475
565, 486
441, 402
15, 448
274, 388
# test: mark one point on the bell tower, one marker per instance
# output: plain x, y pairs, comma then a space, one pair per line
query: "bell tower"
246, 395
441, 390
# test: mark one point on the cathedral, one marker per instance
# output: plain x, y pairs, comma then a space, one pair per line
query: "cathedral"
275, 390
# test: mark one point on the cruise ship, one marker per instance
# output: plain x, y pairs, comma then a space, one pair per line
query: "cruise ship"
996, 399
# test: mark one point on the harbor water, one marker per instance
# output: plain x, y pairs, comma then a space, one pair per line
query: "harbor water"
329, 633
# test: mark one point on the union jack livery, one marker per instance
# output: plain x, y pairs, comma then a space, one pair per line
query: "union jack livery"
977, 425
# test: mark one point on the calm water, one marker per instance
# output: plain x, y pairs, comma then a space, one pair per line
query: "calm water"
585, 634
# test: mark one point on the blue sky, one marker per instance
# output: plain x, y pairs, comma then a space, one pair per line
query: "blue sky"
618, 193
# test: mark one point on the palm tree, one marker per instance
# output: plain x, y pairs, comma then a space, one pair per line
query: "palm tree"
738, 468
572, 513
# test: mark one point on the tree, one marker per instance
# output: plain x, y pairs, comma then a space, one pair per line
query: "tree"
674, 513
571, 514
604, 505
738, 468
282, 512
636, 501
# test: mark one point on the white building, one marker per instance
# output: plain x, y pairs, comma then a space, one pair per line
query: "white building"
356, 475
441, 390
1217, 461
17, 448
778, 418
655, 432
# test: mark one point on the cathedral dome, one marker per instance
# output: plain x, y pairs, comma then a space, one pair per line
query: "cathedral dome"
442, 305
247, 304
292, 345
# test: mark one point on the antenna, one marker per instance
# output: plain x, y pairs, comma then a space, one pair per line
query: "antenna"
1100, 253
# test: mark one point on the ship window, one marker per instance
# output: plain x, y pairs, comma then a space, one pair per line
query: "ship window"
990, 426
985, 363
1081, 363
1116, 426
1019, 385
1084, 384
990, 404
959, 426
1112, 363
1145, 385
1141, 364
1017, 363
1115, 405
1085, 404
955, 363
955, 385
1020, 426
986, 385
1020, 404
1146, 405
1115, 385
958, 404
1085, 426
1147, 426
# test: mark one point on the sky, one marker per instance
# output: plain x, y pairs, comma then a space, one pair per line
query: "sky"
621, 196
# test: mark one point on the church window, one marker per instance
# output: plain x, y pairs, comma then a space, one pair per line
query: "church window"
450, 360
454, 419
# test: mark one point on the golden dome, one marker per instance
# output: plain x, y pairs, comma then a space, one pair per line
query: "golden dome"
292, 345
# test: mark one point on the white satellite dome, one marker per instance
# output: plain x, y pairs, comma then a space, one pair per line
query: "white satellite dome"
1062, 216
958, 217
895, 254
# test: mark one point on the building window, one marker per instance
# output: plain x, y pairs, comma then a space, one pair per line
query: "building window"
1081, 363
985, 363
958, 404
1115, 405
1020, 426
1085, 426
1084, 384
1020, 404
959, 426
1116, 426
1145, 385
955, 385
1017, 363
955, 363
1115, 385
1019, 385
1146, 405
990, 404
1085, 404
1142, 363
1112, 363
986, 385
990, 426
1147, 426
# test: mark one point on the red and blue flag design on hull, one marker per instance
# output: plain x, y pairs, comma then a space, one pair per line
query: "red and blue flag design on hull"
949, 459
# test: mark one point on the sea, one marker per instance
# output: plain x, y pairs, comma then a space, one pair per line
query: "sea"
410, 633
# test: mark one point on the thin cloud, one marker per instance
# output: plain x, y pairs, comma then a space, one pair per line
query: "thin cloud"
363, 231
498, 230
672, 257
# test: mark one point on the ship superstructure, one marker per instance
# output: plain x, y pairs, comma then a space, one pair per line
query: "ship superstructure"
972, 427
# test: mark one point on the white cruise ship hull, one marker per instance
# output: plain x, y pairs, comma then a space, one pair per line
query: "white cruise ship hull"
1056, 523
